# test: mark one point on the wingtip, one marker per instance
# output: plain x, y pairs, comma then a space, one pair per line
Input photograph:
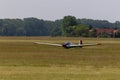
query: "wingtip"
35, 42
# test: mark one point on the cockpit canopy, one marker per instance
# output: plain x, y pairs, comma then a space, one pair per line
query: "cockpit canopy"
68, 43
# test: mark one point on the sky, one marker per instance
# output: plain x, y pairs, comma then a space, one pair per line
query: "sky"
57, 9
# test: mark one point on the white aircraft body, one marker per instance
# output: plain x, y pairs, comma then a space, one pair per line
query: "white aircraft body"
69, 44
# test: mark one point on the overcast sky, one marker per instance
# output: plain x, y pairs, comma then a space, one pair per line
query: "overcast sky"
57, 9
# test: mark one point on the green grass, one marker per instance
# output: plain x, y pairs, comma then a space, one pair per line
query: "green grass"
58, 73
21, 59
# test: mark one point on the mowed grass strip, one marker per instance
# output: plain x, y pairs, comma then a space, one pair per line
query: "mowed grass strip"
21, 59
58, 73
21, 51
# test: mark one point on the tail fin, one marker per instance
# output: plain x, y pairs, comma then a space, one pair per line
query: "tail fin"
80, 42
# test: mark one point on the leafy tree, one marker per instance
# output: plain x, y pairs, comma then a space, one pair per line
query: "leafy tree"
56, 32
8, 27
67, 24
1, 24
54, 27
117, 35
81, 30
96, 23
92, 33
34, 27
20, 32
117, 25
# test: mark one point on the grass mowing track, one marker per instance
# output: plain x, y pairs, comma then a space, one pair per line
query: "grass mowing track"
21, 59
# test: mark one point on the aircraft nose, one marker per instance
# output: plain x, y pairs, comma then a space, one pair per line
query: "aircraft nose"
64, 45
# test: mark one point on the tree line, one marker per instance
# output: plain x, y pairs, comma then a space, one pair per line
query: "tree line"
68, 26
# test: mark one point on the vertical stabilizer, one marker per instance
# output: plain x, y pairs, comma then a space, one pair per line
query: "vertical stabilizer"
80, 42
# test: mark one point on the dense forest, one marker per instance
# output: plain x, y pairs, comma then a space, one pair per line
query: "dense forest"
68, 26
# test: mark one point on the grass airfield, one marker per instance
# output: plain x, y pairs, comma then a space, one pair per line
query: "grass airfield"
21, 59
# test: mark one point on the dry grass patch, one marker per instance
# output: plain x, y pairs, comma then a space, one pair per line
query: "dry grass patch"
58, 73
21, 59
